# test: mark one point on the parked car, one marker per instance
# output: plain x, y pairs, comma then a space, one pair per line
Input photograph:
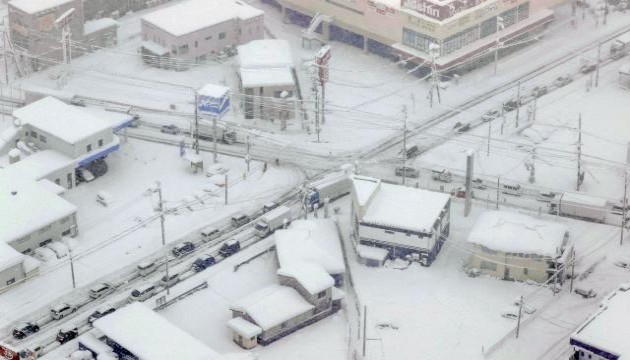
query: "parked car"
170, 129
210, 233
143, 292
102, 289
443, 176
587, 294
491, 115
170, 280
230, 248
76, 101
562, 80
59, 311
25, 329
547, 196
539, 91
587, 68
203, 262
239, 220
98, 167
67, 333
464, 128
100, 312
407, 172
510, 105
84, 175
510, 314
217, 169
146, 267
183, 249
413, 151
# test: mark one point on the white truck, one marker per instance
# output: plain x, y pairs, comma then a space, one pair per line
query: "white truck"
579, 206
272, 220
620, 46
331, 186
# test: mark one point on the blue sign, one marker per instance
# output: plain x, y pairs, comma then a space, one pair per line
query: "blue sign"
213, 105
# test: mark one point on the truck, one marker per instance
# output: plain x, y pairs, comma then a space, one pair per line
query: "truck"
272, 220
620, 46
443, 176
224, 134
579, 206
332, 186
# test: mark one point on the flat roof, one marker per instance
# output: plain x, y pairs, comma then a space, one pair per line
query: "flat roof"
39, 165
193, 15
27, 206
517, 233
64, 121
267, 53
35, 6
608, 329
150, 336
214, 91
273, 305
266, 77
404, 208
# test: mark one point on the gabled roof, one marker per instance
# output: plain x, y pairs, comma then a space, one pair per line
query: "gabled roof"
312, 277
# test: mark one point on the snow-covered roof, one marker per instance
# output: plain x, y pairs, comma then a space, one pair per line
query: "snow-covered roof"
60, 119
150, 336
517, 233
93, 26
584, 199
608, 329
34, 6
252, 77
27, 206
39, 165
310, 241
405, 208
625, 69
363, 188
9, 257
267, 53
51, 187
214, 91
155, 48
193, 15
244, 327
312, 277
273, 305
372, 253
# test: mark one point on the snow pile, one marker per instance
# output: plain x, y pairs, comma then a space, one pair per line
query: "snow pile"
372, 253
39, 165
213, 91
312, 277
517, 233
273, 305
244, 327
150, 336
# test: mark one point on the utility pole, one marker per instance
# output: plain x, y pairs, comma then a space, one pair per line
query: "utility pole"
215, 139
413, 103
364, 328
6, 58
434, 51
226, 189
579, 153
317, 129
247, 157
572, 270
605, 10
520, 310
518, 102
158, 189
404, 150
500, 26
599, 60
196, 124
624, 204
74, 282
489, 131
498, 190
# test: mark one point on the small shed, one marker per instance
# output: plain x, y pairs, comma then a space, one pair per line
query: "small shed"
245, 334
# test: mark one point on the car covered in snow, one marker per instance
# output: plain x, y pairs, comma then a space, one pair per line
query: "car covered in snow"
100, 312
67, 333
183, 249
25, 329
203, 262
230, 248
538, 91
407, 171
100, 290
170, 129
491, 115
217, 169
61, 310
562, 80
587, 294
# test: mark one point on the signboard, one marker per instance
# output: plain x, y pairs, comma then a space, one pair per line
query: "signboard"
8, 354
322, 58
213, 100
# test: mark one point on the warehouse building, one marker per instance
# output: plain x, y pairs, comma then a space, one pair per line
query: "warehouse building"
407, 222
405, 29
514, 246
196, 30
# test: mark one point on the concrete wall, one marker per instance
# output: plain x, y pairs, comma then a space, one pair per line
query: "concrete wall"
104, 38
66, 226
11, 275
71, 150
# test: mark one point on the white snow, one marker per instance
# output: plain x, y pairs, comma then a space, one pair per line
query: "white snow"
405, 208
26, 206
310, 241
363, 188
273, 305
39, 165
513, 232
214, 91
311, 276
372, 253
52, 187
34, 6
608, 329
93, 26
268, 53
60, 119
266, 77
9, 256
90, 340
155, 48
150, 336
193, 15
244, 327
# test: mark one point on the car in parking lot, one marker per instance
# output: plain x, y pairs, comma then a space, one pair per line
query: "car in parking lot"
510, 105
100, 312
182, 249
101, 289
230, 248
170, 129
587, 68
407, 171
61, 310
170, 280
67, 333
25, 329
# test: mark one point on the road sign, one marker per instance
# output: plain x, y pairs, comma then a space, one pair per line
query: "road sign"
213, 100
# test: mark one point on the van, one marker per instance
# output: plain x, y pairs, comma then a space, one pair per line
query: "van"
269, 206
61, 310
512, 189
100, 290
145, 268
142, 293
104, 198
210, 233
239, 220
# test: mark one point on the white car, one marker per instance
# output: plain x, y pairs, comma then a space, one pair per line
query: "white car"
59, 311
101, 289
216, 169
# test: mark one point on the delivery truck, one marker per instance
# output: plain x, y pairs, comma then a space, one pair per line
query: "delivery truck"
272, 220
332, 186
579, 206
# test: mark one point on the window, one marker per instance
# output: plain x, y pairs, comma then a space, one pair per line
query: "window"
196, 44
221, 35
460, 40
89, 147
487, 265
523, 11
100, 142
42, 138
417, 40
321, 294
57, 181
174, 50
33, 134
488, 27
183, 49
525, 271
208, 38
10, 281
69, 181
66, 233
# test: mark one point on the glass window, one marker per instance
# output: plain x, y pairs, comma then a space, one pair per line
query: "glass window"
42, 138
487, 265
196, 44
33, 134
488, 27
208, 37
417, 40
89, 147
523, 11
222, 35
525, 271
100, 142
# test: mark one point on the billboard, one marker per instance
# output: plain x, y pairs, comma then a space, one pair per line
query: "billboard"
213, 100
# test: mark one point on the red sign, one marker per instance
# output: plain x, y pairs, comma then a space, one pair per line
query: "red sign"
8, 354
321, 59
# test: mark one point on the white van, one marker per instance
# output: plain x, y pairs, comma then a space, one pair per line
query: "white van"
210, 233
147, 267
143, 292
60, 310
512, 189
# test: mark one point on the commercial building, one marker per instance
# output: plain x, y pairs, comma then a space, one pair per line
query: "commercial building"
514, 246
465, 32
404, 221
195, 30
100, 33
268, 80
604, 335
15, 267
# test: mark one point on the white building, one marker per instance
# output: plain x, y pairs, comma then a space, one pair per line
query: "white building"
604, 336
14, 267
135, 331
267, 74
403, 220
514, 246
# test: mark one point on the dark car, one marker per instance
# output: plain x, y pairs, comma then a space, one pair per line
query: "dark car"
491, 115
24, 330
100, 312
183, 249
587, 68
67, 333
539, 91
510, 105
170, 129
203, 262
230, 248
98, 167
407, 172
464, 128
413, 151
